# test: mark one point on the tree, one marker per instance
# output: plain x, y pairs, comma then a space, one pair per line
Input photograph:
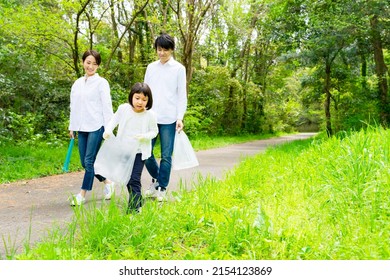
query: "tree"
378, 11
244, 59
190, 16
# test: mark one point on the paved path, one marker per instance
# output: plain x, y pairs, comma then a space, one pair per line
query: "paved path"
28, 209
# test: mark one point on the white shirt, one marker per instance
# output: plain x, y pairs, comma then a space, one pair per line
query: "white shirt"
168, 84
90, 104
132, 124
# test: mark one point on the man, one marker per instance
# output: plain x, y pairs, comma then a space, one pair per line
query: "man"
167, 79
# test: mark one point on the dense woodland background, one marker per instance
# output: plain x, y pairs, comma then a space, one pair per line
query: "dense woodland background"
253, 66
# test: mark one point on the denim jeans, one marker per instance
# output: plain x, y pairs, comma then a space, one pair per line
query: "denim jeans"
89, 144
162, 173
134, 185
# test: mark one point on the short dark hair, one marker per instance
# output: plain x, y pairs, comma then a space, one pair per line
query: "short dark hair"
164, 41
95, 54
145, 90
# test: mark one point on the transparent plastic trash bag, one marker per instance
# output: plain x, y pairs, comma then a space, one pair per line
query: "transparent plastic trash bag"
183, 156
115, 159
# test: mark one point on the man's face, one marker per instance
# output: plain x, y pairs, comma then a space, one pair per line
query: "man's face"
164, 54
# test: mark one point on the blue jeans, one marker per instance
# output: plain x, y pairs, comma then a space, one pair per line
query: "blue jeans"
134, 185
89, 145
162, 173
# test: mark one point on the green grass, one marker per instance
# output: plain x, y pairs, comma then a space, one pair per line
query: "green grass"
21, 162
210, 142
318, 199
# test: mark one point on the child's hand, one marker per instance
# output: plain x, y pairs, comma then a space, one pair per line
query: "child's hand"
140, 137
106, 135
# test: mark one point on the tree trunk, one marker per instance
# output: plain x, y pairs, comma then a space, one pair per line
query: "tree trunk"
127, 28
245, 92
187, 56
189, 29
75, 52
380, 69
114, 26
364, 71
327, 100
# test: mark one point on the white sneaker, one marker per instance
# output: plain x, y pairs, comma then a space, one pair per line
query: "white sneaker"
152, 189
109, 190
161, 194
77, 200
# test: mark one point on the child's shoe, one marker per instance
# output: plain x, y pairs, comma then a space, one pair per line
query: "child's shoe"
161, 194
109, 190
77, 200
152, 189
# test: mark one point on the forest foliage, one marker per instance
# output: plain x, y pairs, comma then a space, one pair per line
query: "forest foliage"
253, 66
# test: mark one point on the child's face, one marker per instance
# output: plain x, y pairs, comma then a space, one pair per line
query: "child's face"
163, 54
90, 65
139, 102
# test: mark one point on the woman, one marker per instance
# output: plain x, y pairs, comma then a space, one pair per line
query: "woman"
90, 111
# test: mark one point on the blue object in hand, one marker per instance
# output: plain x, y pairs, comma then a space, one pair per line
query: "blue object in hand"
68, 155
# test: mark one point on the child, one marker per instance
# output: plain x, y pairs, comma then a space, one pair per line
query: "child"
135, 121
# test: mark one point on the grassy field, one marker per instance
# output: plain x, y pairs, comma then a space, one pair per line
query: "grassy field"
318, 199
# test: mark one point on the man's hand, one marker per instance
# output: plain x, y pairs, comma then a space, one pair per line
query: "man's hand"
179, 125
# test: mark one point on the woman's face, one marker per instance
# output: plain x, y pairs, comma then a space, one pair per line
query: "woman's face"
139, 102
90, 65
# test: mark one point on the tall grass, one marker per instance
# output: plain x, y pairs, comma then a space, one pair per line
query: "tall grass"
310, 199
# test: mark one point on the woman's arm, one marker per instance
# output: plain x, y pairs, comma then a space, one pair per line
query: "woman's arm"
105, 96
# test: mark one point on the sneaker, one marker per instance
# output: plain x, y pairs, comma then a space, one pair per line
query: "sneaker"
161, 194
152, 189
109, 190
134, 211
77, 200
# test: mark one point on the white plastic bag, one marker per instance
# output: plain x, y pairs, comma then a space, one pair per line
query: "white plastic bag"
183, 154
115, 159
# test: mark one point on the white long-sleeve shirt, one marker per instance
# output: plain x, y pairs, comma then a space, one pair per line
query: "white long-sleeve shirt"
131, 124
90, 104
169, 88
